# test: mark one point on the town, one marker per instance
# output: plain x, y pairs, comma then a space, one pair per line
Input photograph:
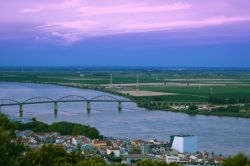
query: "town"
181, 149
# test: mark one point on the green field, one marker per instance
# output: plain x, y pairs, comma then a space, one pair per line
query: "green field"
225, 86
193, 93
84, 78
230, 83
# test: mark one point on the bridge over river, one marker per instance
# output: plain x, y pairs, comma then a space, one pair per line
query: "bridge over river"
65, 99
75, 98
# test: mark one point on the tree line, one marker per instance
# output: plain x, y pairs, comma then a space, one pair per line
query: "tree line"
64, 128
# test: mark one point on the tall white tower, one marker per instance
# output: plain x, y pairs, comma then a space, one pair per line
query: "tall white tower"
185, 143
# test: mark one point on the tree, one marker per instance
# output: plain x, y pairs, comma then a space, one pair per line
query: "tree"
64, 128
9, 150
49, 155
192, 107
78, 130
92, 162
154, 163
239, 160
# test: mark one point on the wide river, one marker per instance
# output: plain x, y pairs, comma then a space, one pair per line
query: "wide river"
215, 134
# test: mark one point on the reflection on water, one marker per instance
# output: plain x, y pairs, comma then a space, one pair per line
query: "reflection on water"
218, 134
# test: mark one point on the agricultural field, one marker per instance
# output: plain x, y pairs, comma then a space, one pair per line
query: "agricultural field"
156, 84
202, 93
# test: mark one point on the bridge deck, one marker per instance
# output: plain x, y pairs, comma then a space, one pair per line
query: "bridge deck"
74, 98
66, 101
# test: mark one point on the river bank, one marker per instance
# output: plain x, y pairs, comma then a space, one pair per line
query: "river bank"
132, 122
154, 105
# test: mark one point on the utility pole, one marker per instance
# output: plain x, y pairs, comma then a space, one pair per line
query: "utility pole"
137, 83
111, 80
211, 91
22, 68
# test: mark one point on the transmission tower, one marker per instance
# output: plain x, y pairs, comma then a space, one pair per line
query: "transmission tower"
111, 80
137, 83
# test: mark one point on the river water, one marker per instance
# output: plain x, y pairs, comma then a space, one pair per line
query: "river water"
224, 135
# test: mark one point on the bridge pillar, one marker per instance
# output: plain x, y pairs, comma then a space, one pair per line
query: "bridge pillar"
55, 109
88, 106
119, 106
21, 110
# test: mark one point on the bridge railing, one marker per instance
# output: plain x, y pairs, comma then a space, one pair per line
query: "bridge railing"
8, 102
69, 98
35, 100
72, 98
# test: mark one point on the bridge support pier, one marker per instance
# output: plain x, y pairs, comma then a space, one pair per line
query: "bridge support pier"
88, 107
55, 109
21, 110
119, 106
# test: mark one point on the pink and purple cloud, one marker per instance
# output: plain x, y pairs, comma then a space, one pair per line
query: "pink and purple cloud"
76, 20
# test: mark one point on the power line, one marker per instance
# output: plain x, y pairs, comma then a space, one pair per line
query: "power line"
111, 80
137, 83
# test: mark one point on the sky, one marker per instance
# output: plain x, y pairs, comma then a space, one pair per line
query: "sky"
173, 33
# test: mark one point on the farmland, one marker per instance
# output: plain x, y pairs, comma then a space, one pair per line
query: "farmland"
215, 86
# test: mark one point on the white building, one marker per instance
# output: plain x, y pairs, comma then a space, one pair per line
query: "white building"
172, 158
115, 151
184, 143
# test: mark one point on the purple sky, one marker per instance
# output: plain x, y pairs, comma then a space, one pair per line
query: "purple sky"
141, 24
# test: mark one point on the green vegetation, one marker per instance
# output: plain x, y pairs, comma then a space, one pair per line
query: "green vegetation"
100, 75
69, 76
12, 153
64, 128
238, 160
113, 158
234, 93
173, 98
154, 163
215, 100
230, 111
9, 151
56, 156
213, 86
50, 156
